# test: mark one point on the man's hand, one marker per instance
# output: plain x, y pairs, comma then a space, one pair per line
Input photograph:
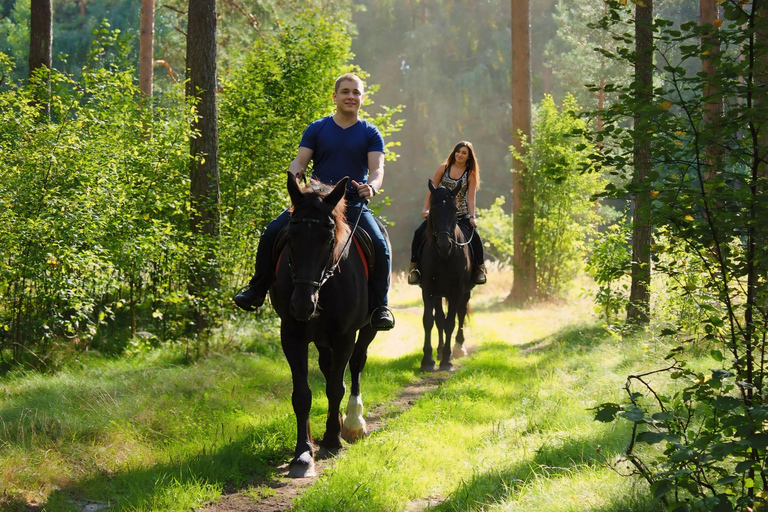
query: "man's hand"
364, 190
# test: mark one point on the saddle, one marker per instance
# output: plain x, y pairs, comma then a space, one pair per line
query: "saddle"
361, 242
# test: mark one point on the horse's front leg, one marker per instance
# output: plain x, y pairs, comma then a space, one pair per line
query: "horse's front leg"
296, 352
354, 426
458, 346
449, 324
427, 362
334, 386
440, 324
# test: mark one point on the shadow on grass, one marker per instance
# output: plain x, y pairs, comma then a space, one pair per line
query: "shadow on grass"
234, 460
507, 484
553, 458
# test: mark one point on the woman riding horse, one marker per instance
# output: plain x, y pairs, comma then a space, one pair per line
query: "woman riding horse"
460, 172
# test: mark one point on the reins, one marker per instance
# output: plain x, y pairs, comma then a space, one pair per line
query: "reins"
329, 272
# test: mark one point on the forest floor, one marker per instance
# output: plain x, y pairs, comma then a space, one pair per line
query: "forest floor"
277, 494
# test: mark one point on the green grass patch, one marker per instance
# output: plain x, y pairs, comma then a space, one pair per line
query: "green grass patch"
511, 430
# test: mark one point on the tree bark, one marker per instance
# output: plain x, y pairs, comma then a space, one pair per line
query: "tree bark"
41, 49
146, 47
713, 104
524, 258
638, 310
204, 169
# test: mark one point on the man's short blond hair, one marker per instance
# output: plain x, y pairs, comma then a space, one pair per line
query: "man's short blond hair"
351, 77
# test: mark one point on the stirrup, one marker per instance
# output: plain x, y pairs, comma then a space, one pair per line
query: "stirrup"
414, 276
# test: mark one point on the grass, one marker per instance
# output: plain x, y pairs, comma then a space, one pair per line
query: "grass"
511, 430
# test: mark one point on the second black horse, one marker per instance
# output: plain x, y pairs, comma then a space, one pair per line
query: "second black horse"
446, 272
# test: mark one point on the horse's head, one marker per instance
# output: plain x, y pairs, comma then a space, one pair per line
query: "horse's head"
314, 232
442, 219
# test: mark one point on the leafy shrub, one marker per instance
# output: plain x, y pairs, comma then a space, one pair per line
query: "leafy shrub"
565, 213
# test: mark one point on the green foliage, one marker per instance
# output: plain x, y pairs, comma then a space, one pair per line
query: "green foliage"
93, 212
565, 212
609, 264
497, 231
707, 200
284, 84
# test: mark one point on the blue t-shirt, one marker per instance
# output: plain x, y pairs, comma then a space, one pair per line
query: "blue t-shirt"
339, 152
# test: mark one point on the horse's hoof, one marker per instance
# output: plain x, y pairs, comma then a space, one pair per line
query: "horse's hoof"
458, 350
351, 435
302, 466
332, 443
354, 427
428, 367
446, 367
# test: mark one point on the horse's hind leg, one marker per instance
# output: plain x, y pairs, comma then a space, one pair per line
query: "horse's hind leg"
440, 324
296, 352
354, 426
458, 346
450, 323
335, 363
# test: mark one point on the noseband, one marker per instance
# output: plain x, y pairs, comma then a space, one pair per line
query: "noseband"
327, 272
451, 236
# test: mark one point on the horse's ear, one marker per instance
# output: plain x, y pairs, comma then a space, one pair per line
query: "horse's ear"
337, 193
293, 189
431, 186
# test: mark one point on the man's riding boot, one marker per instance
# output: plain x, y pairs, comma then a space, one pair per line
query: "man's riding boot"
252, 298
414, 274
382, 319
480, 275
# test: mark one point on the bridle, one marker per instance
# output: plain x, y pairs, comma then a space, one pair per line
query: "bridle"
328, 272
451, 236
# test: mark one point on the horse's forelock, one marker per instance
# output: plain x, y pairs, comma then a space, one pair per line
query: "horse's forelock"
319, 190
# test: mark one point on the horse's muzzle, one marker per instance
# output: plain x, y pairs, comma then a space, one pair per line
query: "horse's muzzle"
303, 303
444, 245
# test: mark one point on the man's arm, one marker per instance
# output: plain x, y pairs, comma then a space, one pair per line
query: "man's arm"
299, 164
375, 175
376, 169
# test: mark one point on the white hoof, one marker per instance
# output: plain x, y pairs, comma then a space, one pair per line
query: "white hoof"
354, 427
458, 351
302, 466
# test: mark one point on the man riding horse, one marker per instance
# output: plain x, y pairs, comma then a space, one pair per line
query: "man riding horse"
339, 145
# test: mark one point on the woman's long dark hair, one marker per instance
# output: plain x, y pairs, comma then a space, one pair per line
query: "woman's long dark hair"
472, 165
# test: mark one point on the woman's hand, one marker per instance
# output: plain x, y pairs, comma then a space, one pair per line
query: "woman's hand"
424, 212
473, 222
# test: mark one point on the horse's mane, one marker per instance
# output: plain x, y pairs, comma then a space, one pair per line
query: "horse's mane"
318, 190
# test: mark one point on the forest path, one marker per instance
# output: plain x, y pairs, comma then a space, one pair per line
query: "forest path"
278, 493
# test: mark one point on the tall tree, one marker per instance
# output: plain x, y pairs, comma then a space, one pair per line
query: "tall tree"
41, 49
713, 104
524, 258
146, 47
638, 309
204, 167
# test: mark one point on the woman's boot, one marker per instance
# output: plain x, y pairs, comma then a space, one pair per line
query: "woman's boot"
414, 275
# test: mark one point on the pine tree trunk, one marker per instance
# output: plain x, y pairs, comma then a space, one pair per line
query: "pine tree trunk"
204, 168
638, 310
524, 258
713, 105
41, 49
146, 47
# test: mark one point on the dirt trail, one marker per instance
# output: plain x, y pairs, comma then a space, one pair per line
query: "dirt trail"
286, 489
403, 340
